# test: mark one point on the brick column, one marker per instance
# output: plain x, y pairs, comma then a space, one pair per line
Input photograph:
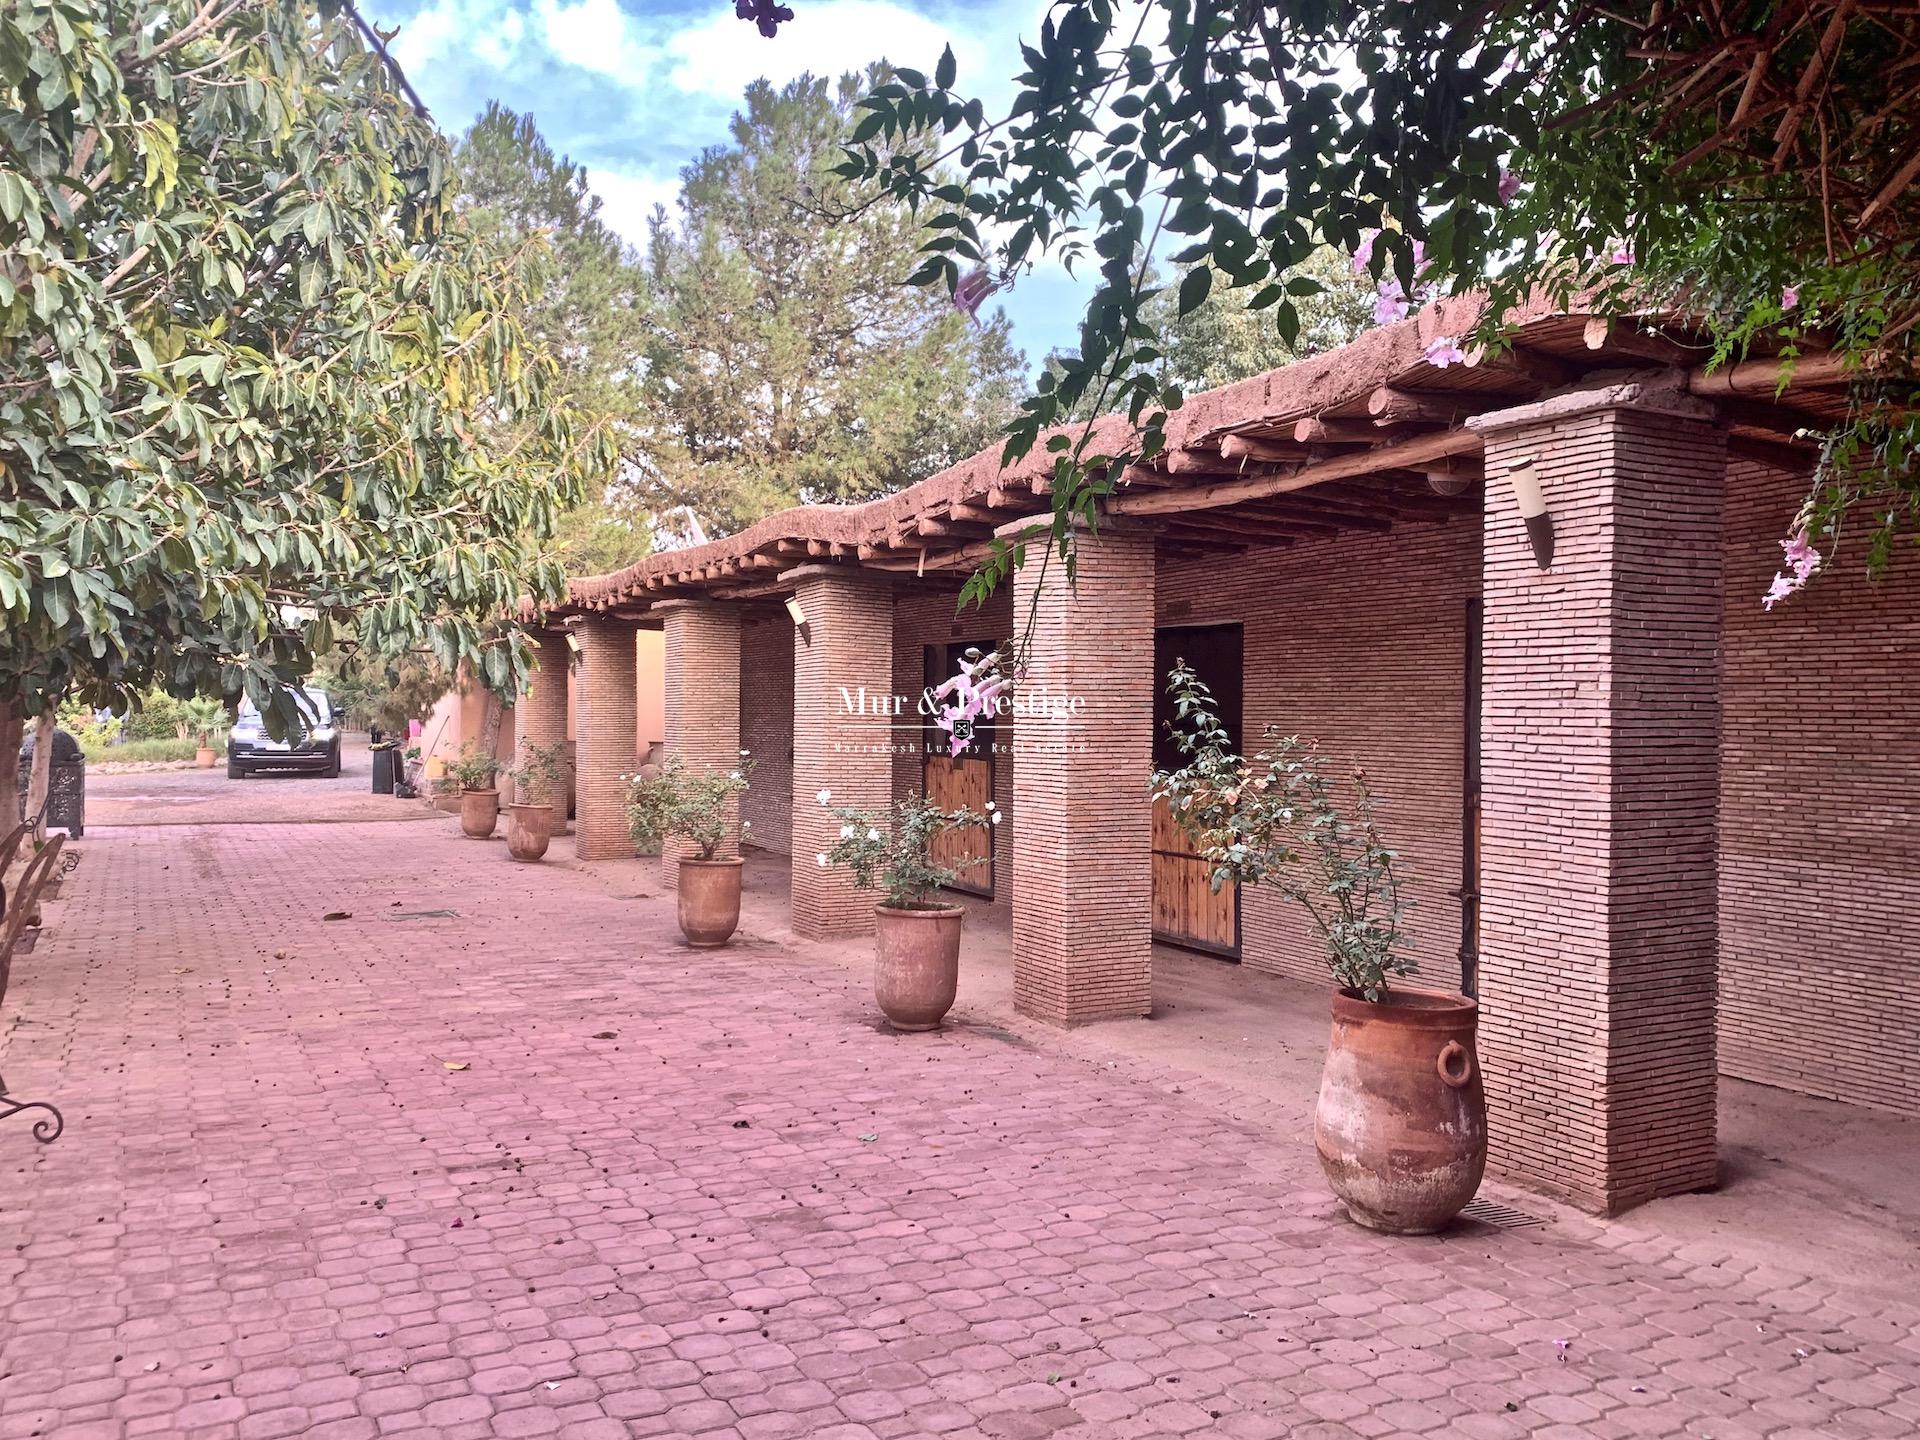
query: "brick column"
842, 735
703, 702
1082, 857
541, 715
603, 738
1599, 788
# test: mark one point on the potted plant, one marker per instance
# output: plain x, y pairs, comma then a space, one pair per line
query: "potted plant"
674, 802
202, 716
1401, 1122
916, 937
530, 817
475, 772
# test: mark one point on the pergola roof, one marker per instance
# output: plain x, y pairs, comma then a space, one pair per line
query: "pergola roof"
1342, 441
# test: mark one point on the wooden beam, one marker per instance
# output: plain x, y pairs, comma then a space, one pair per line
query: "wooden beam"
1257, 448
1622, 337
1411, 454
1762, 377
1524, 366
1316, 431
1389, 406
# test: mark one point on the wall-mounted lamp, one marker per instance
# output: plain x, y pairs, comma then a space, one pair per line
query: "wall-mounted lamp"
799, 619
1443, 482
1532, 505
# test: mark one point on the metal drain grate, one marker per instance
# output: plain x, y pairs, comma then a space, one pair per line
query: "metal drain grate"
422, 915
1501, 1217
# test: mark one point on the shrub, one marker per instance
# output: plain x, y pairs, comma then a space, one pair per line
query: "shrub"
895, 853
1277, 820
539, 771
677, 802
476, 769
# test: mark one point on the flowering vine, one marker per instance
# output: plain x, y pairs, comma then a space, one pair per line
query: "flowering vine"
1802, 563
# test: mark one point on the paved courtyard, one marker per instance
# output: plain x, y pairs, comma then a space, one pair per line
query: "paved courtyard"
495, 1155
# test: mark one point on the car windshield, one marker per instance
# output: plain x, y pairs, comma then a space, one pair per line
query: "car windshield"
312, 703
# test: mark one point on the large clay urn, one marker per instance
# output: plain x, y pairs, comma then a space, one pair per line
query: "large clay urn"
479, 811
916, 970
1402, 1121
709, 901
529, 828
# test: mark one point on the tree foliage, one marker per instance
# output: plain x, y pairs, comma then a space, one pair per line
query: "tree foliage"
259, 386
586, 303
1750, 162
787, 364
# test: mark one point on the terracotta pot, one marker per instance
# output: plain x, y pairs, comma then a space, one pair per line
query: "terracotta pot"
529, 828
916, 969
205, 757
1401, 1126
479, 811
709, 901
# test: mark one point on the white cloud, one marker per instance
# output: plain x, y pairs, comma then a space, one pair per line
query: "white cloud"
598, 35
627, 201
721, 56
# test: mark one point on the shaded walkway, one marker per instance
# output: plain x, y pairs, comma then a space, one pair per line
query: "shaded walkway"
686, 1193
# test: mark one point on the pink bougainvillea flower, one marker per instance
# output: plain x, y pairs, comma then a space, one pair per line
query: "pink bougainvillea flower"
1390, 304
1789, 296
1444, 350
1801, 556
1622, 253
1363, 257
1782, 587
974, 287
1509, 185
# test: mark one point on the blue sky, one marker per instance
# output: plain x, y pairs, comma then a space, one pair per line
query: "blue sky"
634, 89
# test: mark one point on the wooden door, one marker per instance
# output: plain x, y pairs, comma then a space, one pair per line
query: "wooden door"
1187, 911
952, 781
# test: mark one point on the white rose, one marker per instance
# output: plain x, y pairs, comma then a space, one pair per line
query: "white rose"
846, 832
996, 817
873, 834
823, 859
824, 796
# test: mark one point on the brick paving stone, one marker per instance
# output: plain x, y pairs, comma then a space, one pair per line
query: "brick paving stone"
278, 1211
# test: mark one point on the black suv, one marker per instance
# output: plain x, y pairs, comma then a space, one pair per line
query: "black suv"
315, 744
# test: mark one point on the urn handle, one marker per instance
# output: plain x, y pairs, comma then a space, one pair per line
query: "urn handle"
1455, 1064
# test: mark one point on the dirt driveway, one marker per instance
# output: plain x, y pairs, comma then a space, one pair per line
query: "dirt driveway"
208, 797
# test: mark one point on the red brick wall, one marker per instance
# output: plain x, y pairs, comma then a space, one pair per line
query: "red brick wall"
850, 621
1819, 831
1082, 879
923, 616
541, 714
766, 726
1599, 793
702, 701
1358, 641
605, 746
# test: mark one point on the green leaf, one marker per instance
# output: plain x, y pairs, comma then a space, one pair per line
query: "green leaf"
1195, 288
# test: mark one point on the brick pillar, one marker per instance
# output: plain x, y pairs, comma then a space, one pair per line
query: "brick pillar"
1599, 789
541, 715
703, 702
1082, 858
842, 737
604, 738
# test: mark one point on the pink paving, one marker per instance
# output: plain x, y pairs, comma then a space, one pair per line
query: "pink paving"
699, 1193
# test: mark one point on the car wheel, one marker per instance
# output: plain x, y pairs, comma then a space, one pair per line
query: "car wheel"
333, 766
234, 772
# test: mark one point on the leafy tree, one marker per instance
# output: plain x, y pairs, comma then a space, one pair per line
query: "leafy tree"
1750, 162
259, 386
787, 363
586, 304
1223, 339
